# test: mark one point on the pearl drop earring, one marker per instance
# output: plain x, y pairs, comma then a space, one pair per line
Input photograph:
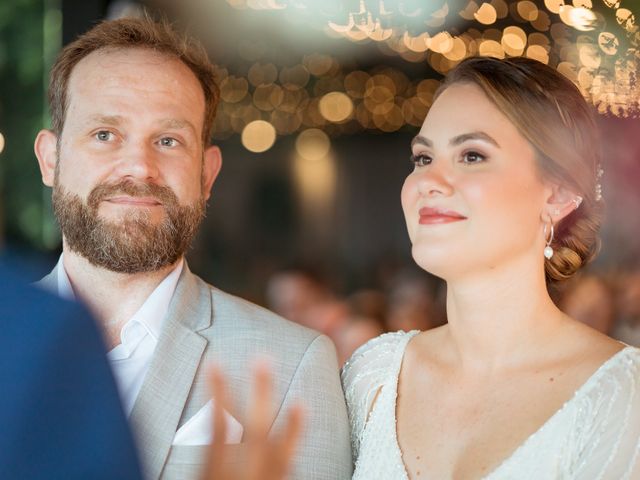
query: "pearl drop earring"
548, 249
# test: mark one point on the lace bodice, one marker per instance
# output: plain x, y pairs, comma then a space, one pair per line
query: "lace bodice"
595, 435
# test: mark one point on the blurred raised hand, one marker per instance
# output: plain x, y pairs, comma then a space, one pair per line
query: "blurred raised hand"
268, 457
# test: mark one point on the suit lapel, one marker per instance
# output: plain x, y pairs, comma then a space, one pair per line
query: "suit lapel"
162, 398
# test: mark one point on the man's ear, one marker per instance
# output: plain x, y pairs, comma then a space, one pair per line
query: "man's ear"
45, 147
560, 203
210, 169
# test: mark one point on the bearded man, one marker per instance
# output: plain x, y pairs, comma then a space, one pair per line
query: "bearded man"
129, 160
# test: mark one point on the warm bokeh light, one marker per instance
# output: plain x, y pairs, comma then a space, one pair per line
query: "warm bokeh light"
542, 22
313, 144
316, 187
514, 41
502, 9
379, 99
285, 123
491, 48
268, 97
336, 107
318, 64
486, 14
441, 43
1, 142
527, 10
538, 52
417, 44
233, 89
296, 75
390, 121
258, 136
590, 57
458, 51
355, 83
554, 5
260, 74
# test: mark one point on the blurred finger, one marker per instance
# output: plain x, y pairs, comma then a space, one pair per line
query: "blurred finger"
260, 413
214, 469
286, 446
292, 431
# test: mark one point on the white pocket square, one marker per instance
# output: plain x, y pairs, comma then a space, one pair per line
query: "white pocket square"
198, 430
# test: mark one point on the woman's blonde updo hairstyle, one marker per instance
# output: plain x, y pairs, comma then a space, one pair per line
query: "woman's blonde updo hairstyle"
552, 115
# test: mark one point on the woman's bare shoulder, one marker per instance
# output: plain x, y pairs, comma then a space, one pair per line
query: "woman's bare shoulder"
589, 347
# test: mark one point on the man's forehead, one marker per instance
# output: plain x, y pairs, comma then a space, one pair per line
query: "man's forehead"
133, 60
122, 69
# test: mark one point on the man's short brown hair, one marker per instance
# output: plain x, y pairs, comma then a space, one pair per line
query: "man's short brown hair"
160, 37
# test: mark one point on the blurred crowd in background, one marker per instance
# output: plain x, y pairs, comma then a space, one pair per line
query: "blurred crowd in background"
412, 300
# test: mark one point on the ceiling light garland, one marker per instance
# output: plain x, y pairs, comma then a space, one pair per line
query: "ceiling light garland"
597, 48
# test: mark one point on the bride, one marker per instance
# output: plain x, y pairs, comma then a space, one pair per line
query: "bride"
503, 200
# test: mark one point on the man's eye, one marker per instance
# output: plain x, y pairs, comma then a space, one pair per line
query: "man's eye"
104, 135
420, 160
473, 157
168, 142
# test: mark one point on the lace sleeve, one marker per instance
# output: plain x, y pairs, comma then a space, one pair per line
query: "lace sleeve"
608, 438
362, 377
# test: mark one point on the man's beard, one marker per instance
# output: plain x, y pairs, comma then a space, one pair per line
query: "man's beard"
134, 243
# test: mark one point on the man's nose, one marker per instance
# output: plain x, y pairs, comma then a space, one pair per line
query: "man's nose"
139, 161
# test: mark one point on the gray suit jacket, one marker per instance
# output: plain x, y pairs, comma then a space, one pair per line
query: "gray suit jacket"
204, 326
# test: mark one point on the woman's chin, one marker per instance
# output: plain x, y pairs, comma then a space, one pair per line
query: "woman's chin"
435, 262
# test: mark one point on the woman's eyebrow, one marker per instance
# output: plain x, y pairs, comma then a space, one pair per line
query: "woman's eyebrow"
473, 136
422, 140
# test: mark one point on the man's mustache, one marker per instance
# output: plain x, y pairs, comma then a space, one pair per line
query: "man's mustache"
104, 191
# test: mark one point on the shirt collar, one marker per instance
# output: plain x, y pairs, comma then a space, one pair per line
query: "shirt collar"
64, 285
152, 312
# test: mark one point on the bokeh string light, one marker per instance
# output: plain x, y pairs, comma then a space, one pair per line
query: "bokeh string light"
597, 48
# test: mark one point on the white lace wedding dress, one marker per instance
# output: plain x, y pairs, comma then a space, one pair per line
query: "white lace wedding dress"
595, 435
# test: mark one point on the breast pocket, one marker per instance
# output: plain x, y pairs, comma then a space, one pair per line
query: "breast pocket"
186, 461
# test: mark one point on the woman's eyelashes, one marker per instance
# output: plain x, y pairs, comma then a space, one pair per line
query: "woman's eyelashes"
468, 157
420, 159
471, 156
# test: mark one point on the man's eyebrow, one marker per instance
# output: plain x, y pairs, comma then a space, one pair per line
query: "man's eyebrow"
113, 120
178, 123
473, 136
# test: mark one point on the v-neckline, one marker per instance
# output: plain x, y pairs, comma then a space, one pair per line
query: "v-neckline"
544, 426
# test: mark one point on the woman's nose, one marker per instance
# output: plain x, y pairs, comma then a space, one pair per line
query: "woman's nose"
434, 180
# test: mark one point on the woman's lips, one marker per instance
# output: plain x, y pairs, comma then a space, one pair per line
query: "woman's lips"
430, 216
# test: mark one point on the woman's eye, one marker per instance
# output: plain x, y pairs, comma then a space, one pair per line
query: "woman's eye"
104, 135
420, 160
168, 142
473, 157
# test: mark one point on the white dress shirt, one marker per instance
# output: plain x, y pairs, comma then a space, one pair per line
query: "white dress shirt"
139, 336
131, 359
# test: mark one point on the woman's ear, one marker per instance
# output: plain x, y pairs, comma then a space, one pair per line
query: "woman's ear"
560, 203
